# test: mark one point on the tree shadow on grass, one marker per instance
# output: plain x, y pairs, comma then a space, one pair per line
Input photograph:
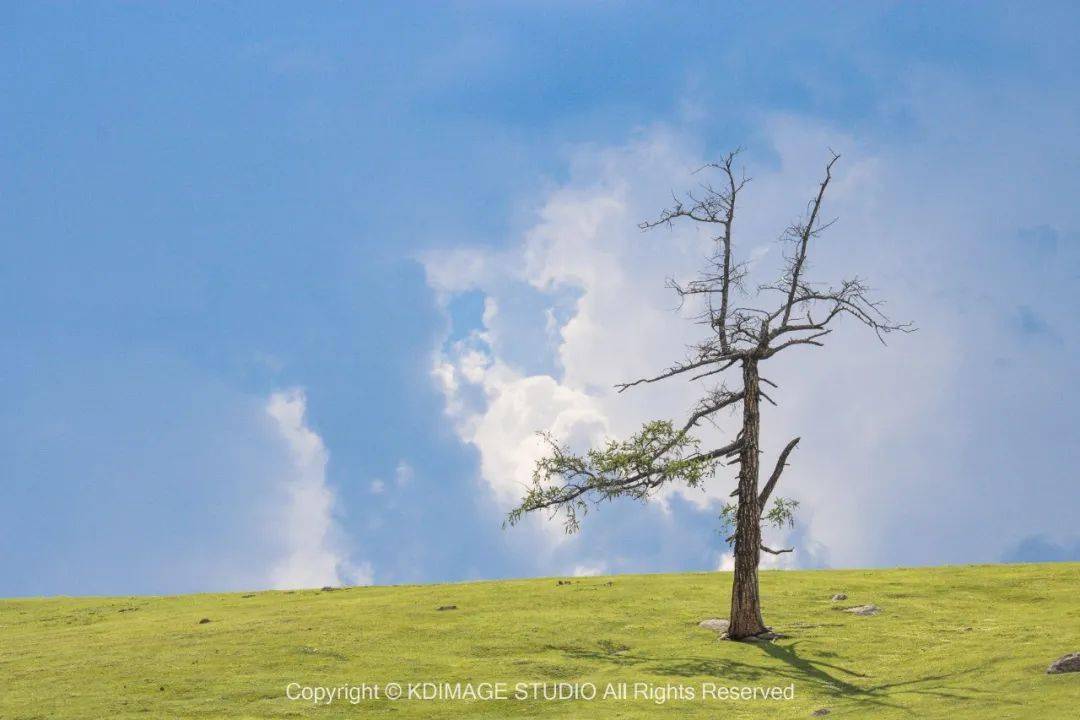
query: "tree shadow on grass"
815, 671
833, 678
624, 659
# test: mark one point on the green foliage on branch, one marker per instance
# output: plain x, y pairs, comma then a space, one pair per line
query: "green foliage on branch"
567, 482
780, 514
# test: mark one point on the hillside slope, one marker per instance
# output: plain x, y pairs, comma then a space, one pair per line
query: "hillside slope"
957, 642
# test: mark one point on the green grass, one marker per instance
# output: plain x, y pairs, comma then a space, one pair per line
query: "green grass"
955, 642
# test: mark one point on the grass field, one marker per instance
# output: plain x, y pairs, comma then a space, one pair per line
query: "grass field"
956, 642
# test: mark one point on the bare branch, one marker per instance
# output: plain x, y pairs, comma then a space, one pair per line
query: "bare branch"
732, 448
714, 206
781, 463
673, 371
781, 551
809, 340
804, 233
720, 369
718, 400
851, 298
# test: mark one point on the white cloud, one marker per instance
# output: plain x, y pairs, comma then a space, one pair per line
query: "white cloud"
785, 561
306, 526
580, 243
885, 470
377, 487
589, 570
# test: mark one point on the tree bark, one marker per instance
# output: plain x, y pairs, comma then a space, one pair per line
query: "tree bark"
745, 601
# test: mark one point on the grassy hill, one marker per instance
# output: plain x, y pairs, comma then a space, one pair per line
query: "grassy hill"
956, 642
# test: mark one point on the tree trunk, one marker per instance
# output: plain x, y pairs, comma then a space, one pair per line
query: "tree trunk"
745, 602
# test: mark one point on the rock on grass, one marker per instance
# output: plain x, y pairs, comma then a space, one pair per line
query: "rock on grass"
1065, 664
863, 610
718, 624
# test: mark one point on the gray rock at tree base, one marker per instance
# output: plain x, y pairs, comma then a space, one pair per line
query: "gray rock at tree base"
838, 597
1064, 664
717, 624
820, 712
863, 610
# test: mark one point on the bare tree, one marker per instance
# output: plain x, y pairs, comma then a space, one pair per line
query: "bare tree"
739, 337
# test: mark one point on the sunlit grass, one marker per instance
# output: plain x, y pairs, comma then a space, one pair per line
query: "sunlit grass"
956, 642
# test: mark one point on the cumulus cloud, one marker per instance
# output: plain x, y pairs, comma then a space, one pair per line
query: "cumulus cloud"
306, 526
589, 570
895, 463
609, 316
582, 259
768, 562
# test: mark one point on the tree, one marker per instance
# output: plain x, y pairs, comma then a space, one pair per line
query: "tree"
739, 337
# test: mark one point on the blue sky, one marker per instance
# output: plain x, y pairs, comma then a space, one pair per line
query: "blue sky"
286, 291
